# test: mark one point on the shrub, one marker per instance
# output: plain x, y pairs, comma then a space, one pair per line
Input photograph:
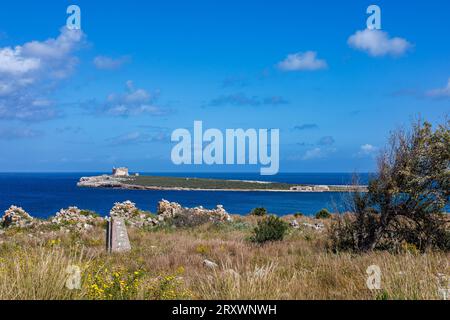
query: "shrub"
89, 213
259, 212
298, 214
188, 220
202, 249
323, 214
271, 228
107, 284
122, 284
405, 200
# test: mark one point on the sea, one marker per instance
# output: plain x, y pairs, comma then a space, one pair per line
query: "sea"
44, 194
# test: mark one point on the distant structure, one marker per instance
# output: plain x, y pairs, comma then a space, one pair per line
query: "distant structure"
310, 188
120, 172
321, 188
302, 188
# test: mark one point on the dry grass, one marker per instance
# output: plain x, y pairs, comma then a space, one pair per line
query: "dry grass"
36, 273
169, 262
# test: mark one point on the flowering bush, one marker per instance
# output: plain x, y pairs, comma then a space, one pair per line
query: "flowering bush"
168, 287
110, 284
113, 285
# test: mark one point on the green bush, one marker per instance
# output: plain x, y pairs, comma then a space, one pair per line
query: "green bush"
271, 228
259, 212
323, 214
298, 214
405, 199
89, 213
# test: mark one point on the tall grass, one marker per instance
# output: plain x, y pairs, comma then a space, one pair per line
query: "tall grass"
36, 273
169, 263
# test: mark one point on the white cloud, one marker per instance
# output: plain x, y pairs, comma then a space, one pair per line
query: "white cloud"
137, 137
58, 48
377, 43
319, 152
313, 154
107, 63
131, 103
440, 92
12, 62
300, 61
29, 70
241, 99
367, 150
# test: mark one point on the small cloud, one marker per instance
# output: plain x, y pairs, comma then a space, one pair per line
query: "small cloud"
240, 99
318, 153
69, 129
313, 154
132, 103
367, 150
377, 43
326, 141
440, 93
275, 101
300, 61
107, 63
306, 126
19, 133
133, 138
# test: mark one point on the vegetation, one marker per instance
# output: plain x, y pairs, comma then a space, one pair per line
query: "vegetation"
197, 183
169, 265
323, 214
271, 228
398, 225
89, 213
158, 182
404, 203
259, 212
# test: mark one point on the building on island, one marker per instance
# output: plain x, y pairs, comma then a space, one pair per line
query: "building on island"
310, 188
321, 188
302, 188
120, 172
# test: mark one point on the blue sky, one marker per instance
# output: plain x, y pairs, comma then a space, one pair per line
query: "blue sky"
112, 94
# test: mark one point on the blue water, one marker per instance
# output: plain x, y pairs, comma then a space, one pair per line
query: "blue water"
43, 194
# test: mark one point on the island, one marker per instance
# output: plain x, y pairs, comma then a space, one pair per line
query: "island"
121, 179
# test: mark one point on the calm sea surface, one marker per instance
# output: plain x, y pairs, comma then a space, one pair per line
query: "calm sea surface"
43, 194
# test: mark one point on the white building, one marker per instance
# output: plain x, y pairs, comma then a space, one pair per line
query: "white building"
321, 188
302, 188
120, 172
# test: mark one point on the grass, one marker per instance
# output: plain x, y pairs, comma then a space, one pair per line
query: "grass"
198, 183
167, 263
217, 184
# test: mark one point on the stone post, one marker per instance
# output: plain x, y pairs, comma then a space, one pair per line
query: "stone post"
117, 236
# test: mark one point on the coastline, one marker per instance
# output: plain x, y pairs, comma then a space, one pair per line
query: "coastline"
129, 183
